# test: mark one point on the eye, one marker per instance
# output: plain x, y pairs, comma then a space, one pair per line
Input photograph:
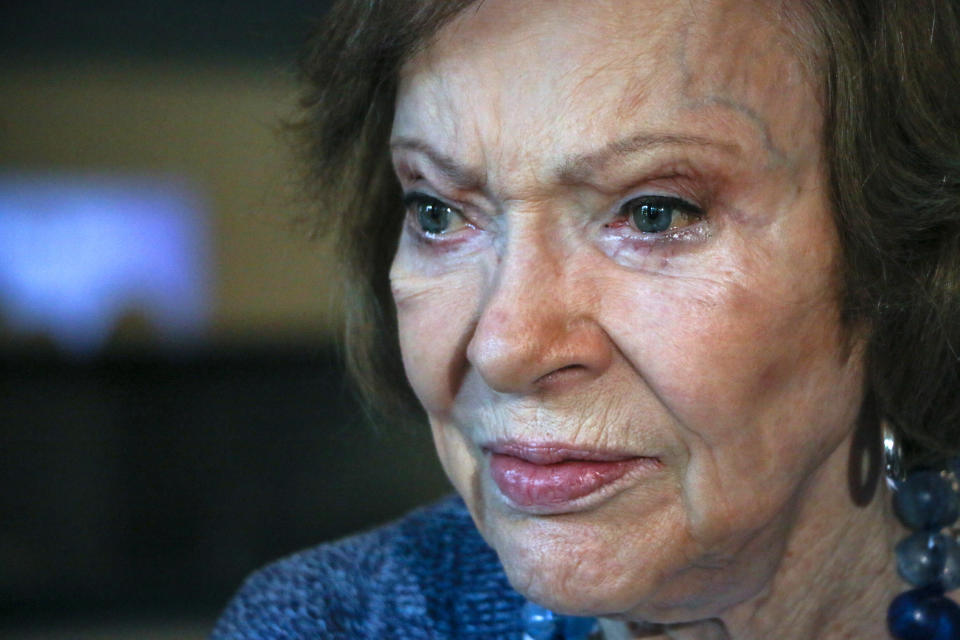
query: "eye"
432, 215
657, 214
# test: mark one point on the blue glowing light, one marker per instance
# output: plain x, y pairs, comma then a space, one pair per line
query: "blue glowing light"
78, 252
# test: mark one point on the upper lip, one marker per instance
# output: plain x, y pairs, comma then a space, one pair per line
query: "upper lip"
554, 452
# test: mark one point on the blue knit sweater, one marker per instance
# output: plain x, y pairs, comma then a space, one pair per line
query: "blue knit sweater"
428, 576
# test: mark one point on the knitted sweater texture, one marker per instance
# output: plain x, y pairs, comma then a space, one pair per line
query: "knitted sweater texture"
428, 576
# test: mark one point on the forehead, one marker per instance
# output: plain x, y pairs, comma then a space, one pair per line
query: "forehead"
565, 76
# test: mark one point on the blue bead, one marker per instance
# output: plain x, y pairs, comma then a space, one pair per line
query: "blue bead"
950, 575
915, 615
539, 623
921, 557
926, 500
577, 628
949, 626
924, 614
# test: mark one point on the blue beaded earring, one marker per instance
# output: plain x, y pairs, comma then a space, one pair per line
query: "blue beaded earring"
928, 502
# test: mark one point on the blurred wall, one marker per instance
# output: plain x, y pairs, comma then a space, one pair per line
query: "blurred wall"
145, 483
218, 126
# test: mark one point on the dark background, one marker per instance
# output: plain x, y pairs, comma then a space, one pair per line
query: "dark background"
141, 483
203, 28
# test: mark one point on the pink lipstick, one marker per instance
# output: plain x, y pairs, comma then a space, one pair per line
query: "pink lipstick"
550, 476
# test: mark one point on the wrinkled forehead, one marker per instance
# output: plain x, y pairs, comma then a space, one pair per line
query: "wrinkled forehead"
565, 73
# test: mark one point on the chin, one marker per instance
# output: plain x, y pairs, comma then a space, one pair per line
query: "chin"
571, 566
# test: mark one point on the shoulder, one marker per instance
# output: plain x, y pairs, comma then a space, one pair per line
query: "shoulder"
429, 575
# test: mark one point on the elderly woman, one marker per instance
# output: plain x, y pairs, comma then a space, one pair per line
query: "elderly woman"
664, 278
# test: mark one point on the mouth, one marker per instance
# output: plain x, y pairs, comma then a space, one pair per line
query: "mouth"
557, 478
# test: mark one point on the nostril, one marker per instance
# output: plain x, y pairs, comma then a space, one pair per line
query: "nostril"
561, 375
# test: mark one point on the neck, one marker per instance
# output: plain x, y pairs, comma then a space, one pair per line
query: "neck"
838, 574
835, 580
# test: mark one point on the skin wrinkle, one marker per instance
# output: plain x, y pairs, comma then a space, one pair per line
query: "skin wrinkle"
635, 93
458, 368
695, 102
635, 90
718, 560
575, 170
462, 177
477, 498
803, 615
761, 123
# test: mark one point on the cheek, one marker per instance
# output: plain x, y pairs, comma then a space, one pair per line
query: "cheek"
435, 316
745, 354
757, 380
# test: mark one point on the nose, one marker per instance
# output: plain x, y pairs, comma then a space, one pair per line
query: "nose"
537, 328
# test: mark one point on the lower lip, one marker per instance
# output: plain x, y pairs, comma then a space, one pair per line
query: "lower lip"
527, 484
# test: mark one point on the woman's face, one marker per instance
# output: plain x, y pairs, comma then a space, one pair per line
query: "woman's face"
616, 293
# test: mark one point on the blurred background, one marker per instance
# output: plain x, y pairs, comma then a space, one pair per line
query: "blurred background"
173, 412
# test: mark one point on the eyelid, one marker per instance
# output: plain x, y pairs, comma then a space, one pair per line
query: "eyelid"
413, 197
680, 202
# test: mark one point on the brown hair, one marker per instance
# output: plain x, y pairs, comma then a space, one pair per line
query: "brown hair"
892, 74
891, 83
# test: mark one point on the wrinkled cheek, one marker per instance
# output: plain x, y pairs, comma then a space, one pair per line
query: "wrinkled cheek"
778, 400
434, 319
434, 322
783, 375
418, 371
422, 352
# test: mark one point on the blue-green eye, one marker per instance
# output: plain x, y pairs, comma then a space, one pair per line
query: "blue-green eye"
432, 215
656, 214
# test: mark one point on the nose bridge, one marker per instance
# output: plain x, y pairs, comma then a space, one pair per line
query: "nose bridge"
531, 323
529, 286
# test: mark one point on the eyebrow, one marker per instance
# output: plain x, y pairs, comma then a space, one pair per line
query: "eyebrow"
575, 169
579, 168
461, 176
